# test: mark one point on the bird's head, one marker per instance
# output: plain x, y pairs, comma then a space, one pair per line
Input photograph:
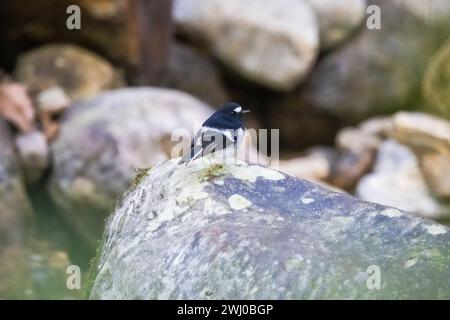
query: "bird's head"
232, 109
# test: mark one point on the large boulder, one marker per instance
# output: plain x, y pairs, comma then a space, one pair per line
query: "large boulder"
240, 231
273, 44
79, 72
105, 140
392, 60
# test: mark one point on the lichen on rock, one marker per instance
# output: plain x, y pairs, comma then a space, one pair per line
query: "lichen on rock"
250, 232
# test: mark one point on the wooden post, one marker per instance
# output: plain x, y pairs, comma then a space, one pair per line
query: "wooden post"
151, 19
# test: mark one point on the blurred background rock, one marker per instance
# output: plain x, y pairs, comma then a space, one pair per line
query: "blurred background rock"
362, 111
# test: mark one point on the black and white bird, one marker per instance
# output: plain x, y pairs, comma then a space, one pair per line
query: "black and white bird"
222, 132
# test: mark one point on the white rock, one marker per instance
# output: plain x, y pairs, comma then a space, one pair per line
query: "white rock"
273, 43
307, 200
356, 140
53, 99
33, 151
238, 202
436, 229
315, 167
380, 126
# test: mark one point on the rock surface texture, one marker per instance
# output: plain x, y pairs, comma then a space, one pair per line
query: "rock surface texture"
209, 231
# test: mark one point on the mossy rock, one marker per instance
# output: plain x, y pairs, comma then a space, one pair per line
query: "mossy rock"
436, 82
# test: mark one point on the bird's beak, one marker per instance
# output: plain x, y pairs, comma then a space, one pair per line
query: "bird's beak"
245, 111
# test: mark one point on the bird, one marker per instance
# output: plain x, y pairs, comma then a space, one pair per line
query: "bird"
222, 131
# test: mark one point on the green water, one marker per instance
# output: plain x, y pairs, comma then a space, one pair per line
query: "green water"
38, 268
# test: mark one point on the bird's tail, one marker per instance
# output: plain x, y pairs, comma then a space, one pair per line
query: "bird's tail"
183, 161
192, 155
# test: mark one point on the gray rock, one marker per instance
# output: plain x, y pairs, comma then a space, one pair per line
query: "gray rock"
14, 204
392, 61
397, 181
103, 141
349, 167
209, 231
195, 73
337, 19
356, 154
274, 44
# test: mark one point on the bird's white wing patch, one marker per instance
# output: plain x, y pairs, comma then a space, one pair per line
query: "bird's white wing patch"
198, 138
208, 140
209, 132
